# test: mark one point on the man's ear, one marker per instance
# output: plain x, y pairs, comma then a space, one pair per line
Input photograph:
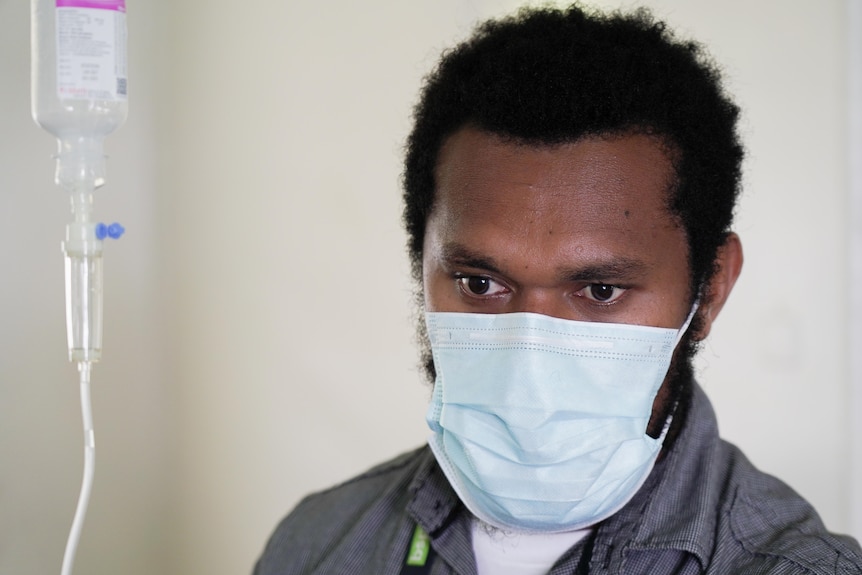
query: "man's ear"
728, 264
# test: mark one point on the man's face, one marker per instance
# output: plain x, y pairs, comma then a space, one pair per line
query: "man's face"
577, 231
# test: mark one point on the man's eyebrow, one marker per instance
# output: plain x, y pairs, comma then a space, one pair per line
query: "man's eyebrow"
614, 269
459, 254
618, 268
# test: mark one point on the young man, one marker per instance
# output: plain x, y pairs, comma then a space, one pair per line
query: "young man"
569, 191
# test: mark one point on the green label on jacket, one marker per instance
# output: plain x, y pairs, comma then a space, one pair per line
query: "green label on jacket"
419, 547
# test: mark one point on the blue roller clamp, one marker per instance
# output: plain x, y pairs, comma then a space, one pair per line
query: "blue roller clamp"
113, 231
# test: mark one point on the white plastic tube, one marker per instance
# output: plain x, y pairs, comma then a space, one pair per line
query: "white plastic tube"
89, 470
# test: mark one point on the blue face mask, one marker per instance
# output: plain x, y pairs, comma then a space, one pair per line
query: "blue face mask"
540, 423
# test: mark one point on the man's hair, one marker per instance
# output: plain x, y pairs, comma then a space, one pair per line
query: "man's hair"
549, 76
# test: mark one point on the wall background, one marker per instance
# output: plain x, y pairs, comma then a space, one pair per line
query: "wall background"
258, 337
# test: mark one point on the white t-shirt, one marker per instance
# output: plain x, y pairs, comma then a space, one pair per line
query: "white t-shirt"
501, 552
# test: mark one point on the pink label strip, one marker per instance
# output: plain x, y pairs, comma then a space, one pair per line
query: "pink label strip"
118, 5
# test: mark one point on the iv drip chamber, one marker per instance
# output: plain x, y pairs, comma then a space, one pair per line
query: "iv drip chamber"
84, 289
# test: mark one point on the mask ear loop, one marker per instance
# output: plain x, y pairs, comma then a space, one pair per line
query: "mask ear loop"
687, 322
679, 335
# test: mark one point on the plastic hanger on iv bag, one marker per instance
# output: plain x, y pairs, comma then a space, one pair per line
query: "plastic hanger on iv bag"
79, 95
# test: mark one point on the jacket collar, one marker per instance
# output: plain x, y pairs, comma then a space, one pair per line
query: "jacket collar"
677, 507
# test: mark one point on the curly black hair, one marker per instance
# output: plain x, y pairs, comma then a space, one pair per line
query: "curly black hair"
548, 76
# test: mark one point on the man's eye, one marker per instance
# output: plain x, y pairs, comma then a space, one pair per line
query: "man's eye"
603, 293
480, 285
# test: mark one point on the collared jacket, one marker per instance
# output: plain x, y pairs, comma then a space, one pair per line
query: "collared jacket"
705, 509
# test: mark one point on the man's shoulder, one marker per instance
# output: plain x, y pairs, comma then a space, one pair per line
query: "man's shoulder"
335, 522
709, 502
385, 478
771, 525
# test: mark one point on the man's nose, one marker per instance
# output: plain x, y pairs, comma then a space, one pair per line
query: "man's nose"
546, 302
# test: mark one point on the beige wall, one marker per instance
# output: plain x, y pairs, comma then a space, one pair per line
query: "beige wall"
854, 219
258, 338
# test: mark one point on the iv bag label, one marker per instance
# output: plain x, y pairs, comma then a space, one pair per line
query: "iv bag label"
91, 49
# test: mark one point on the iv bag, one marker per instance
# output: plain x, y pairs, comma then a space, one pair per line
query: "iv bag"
79, 80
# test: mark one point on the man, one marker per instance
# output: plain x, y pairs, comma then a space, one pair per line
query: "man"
569, 190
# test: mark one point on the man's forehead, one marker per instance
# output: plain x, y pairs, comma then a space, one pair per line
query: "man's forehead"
628, 173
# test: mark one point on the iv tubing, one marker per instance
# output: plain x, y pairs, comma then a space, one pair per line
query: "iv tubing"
89, 469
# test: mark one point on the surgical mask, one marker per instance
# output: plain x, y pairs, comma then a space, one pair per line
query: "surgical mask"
539, 423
